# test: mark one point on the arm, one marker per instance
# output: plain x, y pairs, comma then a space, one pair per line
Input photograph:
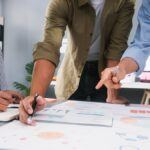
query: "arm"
42, 76
139, 49
7, 97
46, 56
118, 43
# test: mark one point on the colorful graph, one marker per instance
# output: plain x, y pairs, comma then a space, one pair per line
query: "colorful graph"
132, 137
128, 147
50, 135
136, 121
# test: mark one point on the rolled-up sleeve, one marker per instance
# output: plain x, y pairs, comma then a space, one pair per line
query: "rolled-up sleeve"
55, 25
139, 50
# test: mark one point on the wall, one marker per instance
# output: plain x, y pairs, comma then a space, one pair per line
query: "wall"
0, 7
23, 28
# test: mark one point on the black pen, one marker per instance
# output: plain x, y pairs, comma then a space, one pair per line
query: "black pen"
33, 107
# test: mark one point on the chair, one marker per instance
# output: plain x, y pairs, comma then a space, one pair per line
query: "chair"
146, 97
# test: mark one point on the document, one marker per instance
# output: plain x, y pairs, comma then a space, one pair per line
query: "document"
82, 114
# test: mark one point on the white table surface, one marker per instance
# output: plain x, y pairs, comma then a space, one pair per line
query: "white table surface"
127, 133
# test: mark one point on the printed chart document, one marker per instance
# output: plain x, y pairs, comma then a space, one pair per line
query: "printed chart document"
82, 115
91, 113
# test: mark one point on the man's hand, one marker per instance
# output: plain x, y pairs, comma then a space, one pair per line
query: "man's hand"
111, 77
25, 108
114, 98
17, 97
7, 97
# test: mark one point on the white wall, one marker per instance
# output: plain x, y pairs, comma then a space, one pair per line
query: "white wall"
0, 7
23, 28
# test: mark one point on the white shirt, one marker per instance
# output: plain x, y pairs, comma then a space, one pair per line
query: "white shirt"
97, 5
95, 43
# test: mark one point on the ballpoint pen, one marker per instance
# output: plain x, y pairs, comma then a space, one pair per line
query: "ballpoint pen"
34, 108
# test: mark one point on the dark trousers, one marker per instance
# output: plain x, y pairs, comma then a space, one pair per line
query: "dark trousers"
86, 90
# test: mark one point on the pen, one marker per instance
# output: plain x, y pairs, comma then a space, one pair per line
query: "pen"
16, 99
33, 107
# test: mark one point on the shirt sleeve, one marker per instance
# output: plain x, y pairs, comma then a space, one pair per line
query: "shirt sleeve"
139, 50
55, 26
120, 32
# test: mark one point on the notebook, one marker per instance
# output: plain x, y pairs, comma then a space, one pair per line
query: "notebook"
11, 113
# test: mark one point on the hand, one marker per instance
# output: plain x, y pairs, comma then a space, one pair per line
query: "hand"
114, 98
17, 97
8, 97
25, 108
111, 77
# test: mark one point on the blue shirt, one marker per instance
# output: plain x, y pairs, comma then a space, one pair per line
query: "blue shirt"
139, 50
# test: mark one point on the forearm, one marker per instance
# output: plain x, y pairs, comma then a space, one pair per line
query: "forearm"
42, 75
128, 65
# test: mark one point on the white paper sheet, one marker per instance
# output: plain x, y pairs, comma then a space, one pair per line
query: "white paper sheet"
82, 114
9, 114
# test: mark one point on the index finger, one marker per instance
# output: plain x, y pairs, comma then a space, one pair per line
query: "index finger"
100, 83
27, 104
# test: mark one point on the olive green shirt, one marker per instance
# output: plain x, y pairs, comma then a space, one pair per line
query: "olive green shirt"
79, 18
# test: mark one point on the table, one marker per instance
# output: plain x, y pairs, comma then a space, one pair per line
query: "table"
130, 130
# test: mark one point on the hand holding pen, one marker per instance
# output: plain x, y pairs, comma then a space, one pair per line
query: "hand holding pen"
28, 107
34, 104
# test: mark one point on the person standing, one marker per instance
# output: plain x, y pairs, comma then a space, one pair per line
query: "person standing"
98, 34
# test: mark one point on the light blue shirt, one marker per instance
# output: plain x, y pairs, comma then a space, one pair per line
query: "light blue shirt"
139, 50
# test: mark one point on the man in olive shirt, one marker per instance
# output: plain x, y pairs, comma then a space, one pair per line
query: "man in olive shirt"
98, 33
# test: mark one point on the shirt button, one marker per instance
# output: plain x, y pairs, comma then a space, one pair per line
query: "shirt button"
91, 34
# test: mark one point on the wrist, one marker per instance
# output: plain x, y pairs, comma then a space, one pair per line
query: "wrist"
119, 72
